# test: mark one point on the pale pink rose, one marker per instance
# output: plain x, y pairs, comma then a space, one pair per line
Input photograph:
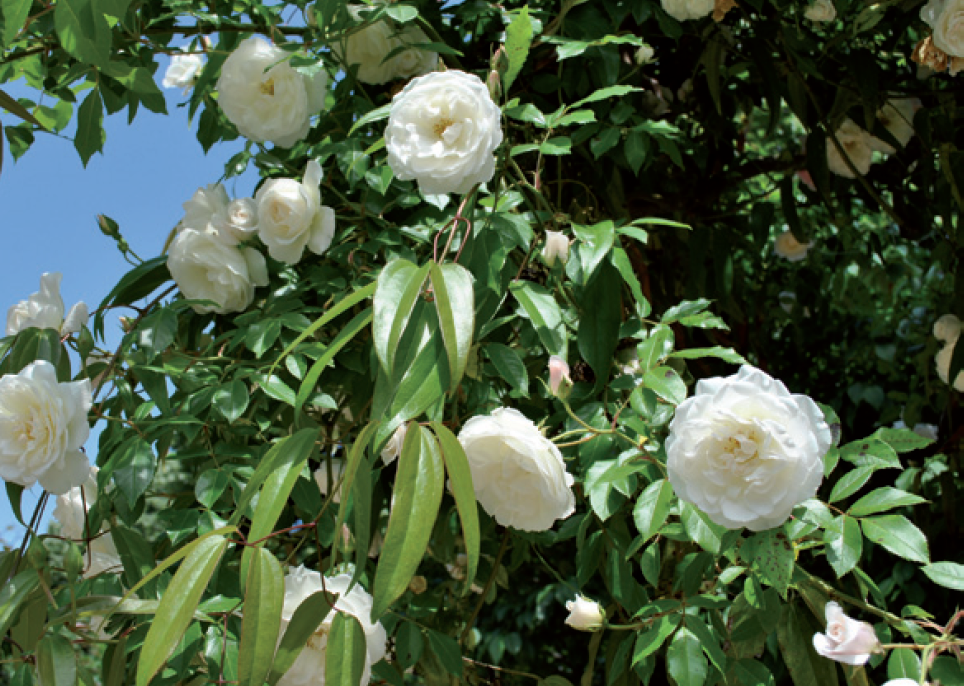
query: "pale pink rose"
847, 640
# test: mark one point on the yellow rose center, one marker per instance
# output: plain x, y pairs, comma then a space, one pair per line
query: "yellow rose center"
441, 126
267, 87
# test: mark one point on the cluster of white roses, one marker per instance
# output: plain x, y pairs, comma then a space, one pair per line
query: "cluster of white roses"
43, 423
946, 18
948, 330
896, 116
209, 257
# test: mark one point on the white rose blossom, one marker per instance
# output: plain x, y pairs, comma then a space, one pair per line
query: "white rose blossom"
897, 116
903, 681
556, 248
369, 46
745, 451
71, 511
292, 218
946, 17
948, 330
183, 71
337, 473
393, 448
43, 426
442, 131
585, 614
682, 10
205, 267
45, 310
821, 10
309, 668
847, 640
788, 247
519, 475
210, 208
644, 55
267, 99
857, 143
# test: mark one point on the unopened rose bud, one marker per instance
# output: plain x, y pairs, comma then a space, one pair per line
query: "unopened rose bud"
644, 55
559, 381
127, 324
846, 640
556, 248
418, 585
107, 225
494, 84
499, 61
585, 614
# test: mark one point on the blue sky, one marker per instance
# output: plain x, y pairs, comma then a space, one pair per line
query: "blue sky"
50, 204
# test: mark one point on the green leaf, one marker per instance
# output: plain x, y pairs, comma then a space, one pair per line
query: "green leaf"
455, 305
622, 263
947, 574
699, 528
598, 333
90, 136
897, 534
604, 93
871, 452
709, 642
656, 347
279, 457
649, 641
666, 383
276, 489
460, 483
231, 400
903, 664
399, 286
56, 661
83, 32
330, 314
132, 468
178, 603
795, 635
770, 554
518, 38
844, 544
685, 661
447, 648
6, 102
136, 284
725, 354
652, 507
544, 313
261, 622
15, 13
883, 499
359, 322
850, 483
902, 440
508, 362
595, 243
355, 462
15, 496
377, 114
346, 653
401, 13
304, 622
13, 595
418, 494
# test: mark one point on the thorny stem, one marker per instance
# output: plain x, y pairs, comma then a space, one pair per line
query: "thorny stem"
488, 585
454, 223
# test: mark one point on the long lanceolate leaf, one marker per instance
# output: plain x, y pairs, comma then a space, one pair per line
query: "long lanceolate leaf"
263, 600
177, 606
455, 305
356, 461
399, 286
418, 494
359, 322
304, 622
346, 654
460, 480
